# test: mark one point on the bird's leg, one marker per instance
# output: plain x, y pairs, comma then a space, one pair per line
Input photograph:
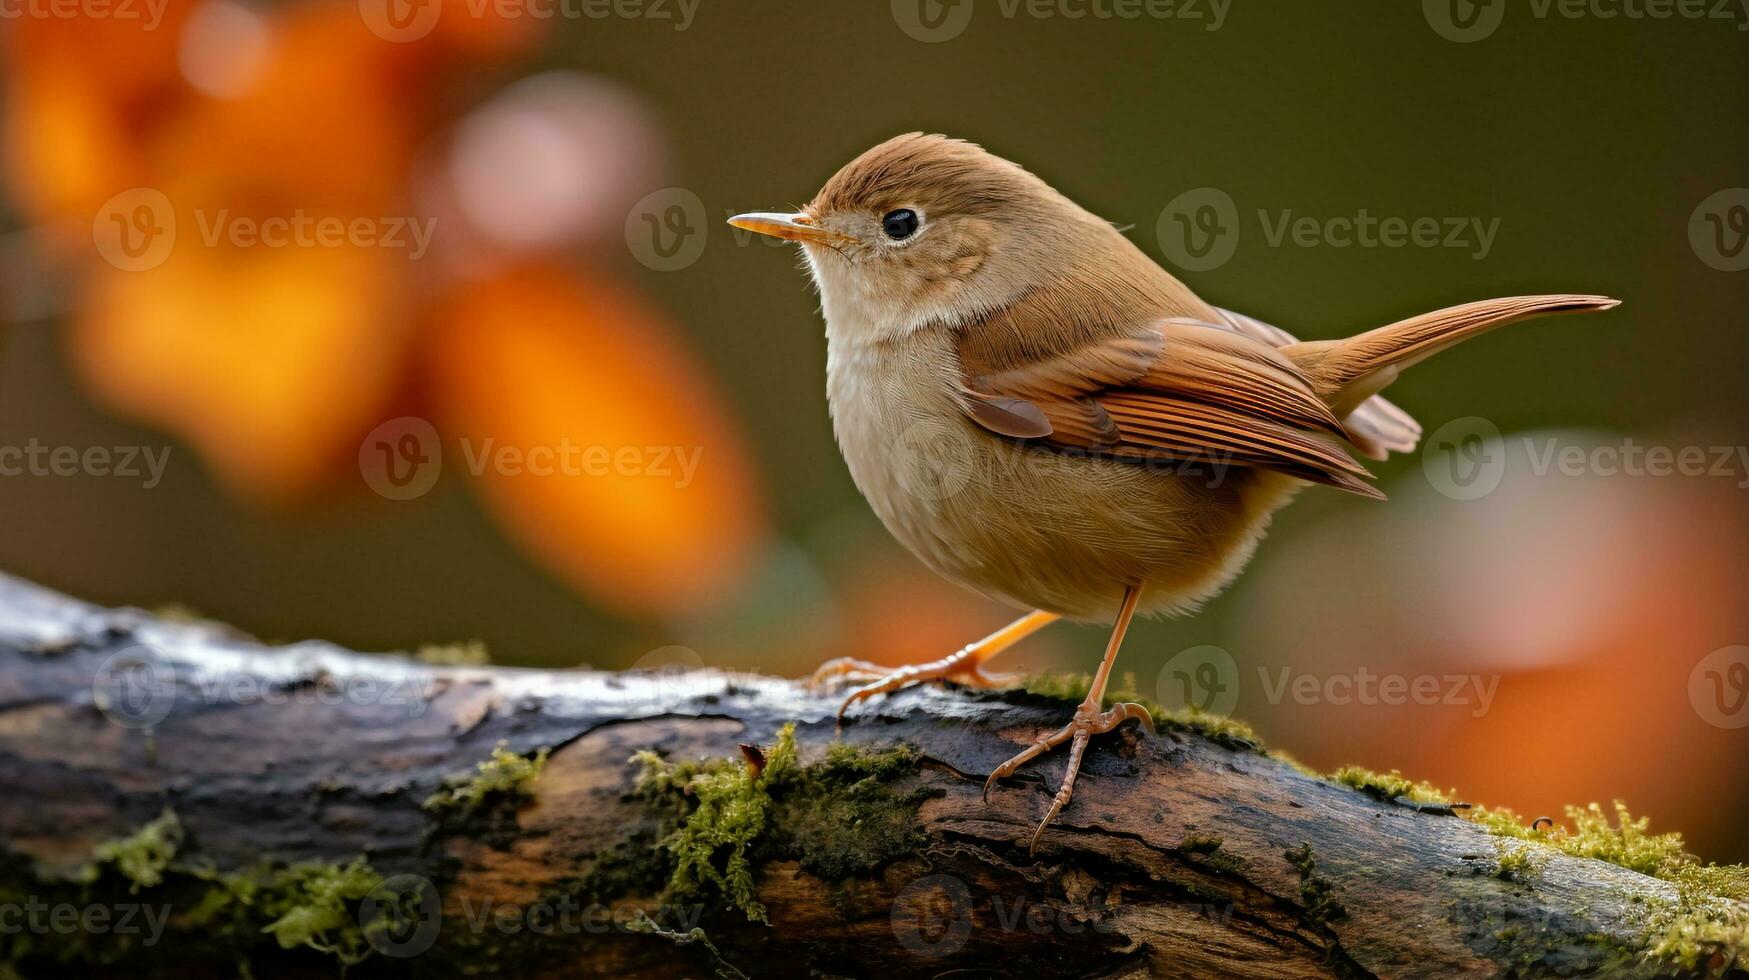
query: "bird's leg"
1089, 721
964, 666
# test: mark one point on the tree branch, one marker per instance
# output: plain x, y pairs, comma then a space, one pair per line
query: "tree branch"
337, 801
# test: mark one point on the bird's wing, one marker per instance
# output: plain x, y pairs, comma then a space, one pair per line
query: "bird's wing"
1378, 427
1174, 389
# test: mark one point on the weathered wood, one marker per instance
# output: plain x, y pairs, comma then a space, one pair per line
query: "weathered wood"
1177, 857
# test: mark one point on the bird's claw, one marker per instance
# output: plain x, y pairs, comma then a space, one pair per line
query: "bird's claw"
1087, 723
960, 667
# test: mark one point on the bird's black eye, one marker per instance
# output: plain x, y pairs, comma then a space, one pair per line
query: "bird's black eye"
900, 225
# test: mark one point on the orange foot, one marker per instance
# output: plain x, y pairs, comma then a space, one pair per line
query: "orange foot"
1088, 722
965, 666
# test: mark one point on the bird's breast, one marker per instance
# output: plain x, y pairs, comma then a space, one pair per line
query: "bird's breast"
904, 438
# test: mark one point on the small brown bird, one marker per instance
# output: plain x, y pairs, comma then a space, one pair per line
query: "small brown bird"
1044, 415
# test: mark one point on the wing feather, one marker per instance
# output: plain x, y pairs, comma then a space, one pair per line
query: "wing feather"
1376, 425
1175, 389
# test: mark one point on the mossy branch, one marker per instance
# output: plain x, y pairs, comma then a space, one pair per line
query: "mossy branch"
290, 811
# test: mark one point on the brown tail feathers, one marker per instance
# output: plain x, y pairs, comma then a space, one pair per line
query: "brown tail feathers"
1346, 373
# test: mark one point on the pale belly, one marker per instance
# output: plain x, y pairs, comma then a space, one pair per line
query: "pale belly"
1031, 526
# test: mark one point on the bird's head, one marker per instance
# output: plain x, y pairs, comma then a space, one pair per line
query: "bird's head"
925, 231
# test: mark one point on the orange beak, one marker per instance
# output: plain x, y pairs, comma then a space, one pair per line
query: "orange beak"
798, 227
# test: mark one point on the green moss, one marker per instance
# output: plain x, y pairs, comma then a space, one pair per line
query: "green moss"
212, 916
1519, 862
731, 804
636, 866
1627, 843
1389, 786
140, 857
503, 776
1317, 895
1707, 927
473, 653
1228, 732
310, 904
841, 817
1502, 822
1200, 844
315, 905
837, 817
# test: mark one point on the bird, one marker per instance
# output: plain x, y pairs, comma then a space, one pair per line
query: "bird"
1043, 414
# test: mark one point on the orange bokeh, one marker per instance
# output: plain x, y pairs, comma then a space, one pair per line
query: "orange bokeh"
539, 357
274, 359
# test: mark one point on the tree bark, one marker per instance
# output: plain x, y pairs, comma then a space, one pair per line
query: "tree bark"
1178, 856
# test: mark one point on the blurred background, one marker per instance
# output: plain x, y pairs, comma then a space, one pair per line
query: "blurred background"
397, 323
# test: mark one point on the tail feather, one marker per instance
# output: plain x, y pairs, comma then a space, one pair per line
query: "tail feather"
1346, 373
